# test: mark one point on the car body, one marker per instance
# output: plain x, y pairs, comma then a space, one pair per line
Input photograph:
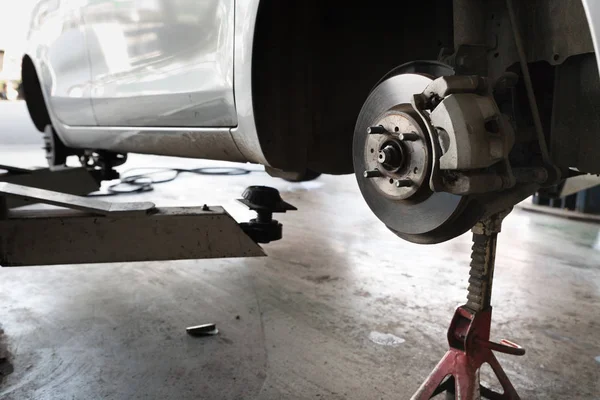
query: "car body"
281, 83
162, 77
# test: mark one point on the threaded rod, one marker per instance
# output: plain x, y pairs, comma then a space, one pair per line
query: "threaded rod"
482, 271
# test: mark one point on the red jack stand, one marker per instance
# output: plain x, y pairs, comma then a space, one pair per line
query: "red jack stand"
469, 332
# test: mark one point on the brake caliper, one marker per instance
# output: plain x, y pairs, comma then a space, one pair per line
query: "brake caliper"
470, 137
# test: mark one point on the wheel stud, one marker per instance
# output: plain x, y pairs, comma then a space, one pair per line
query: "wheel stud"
403, 183
377, 130
375, 173
410, 137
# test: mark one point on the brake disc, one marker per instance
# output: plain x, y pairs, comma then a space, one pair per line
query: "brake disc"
393, 158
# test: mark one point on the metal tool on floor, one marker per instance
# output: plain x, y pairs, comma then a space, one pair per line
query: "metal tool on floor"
457, 373
88, 230
202, 330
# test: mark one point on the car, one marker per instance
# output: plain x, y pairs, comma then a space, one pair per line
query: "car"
446, 111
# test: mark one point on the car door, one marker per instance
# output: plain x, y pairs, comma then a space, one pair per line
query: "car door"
161, 63
58, 37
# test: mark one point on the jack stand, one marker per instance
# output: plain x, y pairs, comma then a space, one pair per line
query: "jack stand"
457, 373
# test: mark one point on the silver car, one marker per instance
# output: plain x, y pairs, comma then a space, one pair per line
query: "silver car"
444, 110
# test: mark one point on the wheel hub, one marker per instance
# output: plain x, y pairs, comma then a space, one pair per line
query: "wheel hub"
396, 153
393, 162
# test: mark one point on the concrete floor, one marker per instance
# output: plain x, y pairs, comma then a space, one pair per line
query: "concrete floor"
314, 316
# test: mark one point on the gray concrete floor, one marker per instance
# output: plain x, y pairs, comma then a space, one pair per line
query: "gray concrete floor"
312, 315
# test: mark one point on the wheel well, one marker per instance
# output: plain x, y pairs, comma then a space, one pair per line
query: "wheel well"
33, 94
314, 63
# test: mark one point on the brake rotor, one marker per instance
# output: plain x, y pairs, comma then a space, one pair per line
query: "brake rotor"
393, 158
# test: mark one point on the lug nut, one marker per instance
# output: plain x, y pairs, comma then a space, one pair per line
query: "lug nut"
377, 130
403, 183
410, 137
375, 173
